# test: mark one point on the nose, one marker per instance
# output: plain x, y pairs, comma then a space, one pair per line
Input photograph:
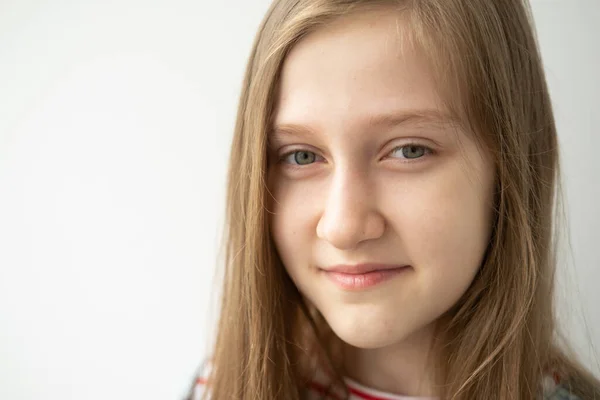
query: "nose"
350, 214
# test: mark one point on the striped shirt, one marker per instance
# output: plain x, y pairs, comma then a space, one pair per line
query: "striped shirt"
552, 390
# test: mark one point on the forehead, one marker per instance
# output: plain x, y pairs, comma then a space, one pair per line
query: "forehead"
352, 71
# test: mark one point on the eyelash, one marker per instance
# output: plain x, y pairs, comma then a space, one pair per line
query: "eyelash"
428, 151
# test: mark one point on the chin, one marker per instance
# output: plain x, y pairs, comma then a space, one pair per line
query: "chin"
367, 341
367, 335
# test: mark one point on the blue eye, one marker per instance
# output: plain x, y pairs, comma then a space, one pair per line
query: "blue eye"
300, 157
411, 151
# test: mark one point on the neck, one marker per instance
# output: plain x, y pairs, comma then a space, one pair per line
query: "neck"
405, 368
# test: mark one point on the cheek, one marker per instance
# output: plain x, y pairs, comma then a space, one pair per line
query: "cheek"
444, 224
292, 221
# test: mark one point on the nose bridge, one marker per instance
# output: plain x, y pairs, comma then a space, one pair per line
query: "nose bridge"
348, 189
350, 213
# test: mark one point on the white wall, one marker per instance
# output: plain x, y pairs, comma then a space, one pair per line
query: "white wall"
115, 121
569, 37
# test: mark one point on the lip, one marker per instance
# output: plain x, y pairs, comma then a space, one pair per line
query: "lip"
362, 268
362, 276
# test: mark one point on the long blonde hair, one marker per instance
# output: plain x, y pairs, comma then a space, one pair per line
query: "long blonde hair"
502, 334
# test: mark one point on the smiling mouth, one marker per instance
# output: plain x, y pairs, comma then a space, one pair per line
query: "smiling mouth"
363, 276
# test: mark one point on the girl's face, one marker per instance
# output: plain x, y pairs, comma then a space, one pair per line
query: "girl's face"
367, 170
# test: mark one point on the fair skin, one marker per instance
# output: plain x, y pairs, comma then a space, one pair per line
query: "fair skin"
350, 187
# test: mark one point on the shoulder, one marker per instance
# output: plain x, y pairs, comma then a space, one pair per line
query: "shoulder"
199, 387
554, 390
552, 387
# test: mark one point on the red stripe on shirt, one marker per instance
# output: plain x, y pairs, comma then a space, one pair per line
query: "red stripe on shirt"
201, 381
363, 395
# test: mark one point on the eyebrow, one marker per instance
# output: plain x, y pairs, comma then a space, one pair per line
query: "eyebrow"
411, 116
384, 120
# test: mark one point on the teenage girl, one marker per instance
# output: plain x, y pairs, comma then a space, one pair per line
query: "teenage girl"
391, 191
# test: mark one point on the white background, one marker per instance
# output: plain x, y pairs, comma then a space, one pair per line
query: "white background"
115, 122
